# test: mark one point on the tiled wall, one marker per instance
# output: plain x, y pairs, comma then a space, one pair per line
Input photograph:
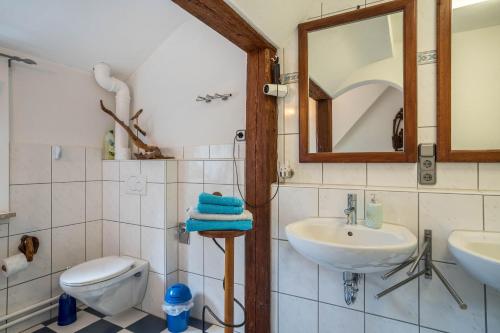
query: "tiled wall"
143, 226
201, 263
308, 298
60, 202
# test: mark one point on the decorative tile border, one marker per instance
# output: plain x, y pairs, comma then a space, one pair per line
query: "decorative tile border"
290, 78
427, 57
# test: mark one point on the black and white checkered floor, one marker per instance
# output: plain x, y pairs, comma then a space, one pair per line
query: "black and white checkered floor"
130, 321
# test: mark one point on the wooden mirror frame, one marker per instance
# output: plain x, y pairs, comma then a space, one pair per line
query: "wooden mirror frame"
409, 155
445, 153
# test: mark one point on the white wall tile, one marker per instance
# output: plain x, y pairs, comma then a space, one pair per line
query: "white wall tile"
443, 213
93, 164
71, 166
455, 176
274, 264
297, 275
172, 247
374, 324
222, 151
191, 255
274, 312
226, 190
392, 174
344, 173
129, 168
171, 203
239, 173
401, 304
41, 264
492, 213
439, 310
152, 248
155, 292
426, 95
111, 170
291, 211
68, 246
426, 24
489, 176
68, 203
190, 171
154, 171
130, 240
195, 283
218, 172
93, 240
130, 205
93, 200
274, 213
172, 171
4, 253
187, 197
337, 319
111, 201
173, 152
427, 135
32, 205
29, 293
398, 207
153, 206
214, 297
493, 309
110, 238
333, 202
304, 172
213, 258
30, 163
331, 289
291, 114
297, 315
196, 152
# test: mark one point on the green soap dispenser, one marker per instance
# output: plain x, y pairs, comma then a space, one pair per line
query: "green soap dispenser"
374, 214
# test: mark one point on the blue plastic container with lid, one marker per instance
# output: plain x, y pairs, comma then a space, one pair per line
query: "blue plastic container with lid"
177, 306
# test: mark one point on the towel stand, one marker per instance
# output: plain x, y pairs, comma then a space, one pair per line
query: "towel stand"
229, 236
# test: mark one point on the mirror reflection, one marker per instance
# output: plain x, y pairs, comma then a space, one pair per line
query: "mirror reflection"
356, 86
475, 72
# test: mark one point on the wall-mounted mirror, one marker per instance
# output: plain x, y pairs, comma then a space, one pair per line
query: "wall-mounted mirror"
469, 85
358, 86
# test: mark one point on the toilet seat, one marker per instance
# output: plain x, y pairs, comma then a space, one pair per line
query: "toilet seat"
97, 270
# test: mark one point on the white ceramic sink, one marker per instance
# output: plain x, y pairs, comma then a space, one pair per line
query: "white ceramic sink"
332, 243
478, 252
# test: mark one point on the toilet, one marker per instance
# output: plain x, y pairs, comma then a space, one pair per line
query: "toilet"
109, 285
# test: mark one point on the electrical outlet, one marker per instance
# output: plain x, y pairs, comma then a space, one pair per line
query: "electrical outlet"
241, 135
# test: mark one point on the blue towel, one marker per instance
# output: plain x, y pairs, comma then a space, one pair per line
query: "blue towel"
199, 225
211, 199
215, 209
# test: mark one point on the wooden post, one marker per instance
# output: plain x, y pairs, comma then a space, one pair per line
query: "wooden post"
229, 290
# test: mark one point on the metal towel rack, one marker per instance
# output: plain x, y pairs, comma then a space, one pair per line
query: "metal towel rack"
429, 267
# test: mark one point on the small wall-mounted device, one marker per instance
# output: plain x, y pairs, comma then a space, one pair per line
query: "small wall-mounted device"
427, 164
285, 171
277, 90
56, 152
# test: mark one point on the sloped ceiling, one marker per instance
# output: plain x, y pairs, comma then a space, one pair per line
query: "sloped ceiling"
274, 19
79, 33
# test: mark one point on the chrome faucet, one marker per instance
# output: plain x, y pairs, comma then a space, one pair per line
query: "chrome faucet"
352, 210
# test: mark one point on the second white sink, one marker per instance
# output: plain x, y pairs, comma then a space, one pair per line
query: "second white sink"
332, 243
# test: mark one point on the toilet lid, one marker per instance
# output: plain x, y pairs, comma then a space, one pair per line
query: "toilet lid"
97, 270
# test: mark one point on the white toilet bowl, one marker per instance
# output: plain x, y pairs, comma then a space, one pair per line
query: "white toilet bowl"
109, 285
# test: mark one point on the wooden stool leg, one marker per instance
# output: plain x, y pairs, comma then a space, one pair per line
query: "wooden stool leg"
229, 290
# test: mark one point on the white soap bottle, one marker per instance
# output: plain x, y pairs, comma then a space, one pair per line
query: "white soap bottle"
374, 214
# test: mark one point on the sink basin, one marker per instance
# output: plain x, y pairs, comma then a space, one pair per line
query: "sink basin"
332, 243
478, 252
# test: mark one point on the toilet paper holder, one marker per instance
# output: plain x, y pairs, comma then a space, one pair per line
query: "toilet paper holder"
29, 247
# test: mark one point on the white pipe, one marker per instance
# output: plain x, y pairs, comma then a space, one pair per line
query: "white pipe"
102, 74
29, 308
31, 315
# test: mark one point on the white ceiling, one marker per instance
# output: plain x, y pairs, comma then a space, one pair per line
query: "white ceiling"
79, 33
477, 16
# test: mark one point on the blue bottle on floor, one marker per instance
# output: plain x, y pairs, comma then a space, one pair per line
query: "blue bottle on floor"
67, 310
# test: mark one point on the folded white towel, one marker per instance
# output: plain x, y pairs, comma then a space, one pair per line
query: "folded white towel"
195, 214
